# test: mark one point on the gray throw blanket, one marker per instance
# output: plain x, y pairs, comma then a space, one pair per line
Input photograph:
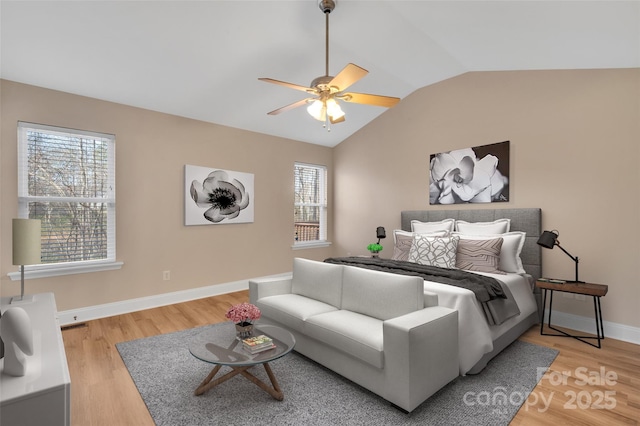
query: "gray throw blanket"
485, 288
496, 299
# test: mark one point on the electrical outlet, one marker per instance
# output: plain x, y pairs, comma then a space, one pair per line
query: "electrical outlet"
166, 275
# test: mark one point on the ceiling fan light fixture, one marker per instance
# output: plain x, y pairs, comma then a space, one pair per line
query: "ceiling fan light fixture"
317, 110
329, 89
334, 110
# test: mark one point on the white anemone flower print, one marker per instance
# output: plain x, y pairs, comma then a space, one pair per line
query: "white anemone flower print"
222, 195
460, 177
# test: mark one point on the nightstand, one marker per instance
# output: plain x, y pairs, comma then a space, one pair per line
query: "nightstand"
587, 289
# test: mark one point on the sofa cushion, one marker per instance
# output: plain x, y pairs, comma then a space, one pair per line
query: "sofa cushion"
379, 294
292, 309
358, 335
317, 280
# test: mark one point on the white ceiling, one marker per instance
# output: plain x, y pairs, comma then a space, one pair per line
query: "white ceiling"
202, 59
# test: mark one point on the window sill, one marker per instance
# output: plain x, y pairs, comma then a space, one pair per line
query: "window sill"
43, 271
310, 244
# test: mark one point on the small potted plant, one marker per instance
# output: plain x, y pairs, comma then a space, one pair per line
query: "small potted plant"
243, 315
374, 248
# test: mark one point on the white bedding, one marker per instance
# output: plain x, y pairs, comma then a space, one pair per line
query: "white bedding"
474, 334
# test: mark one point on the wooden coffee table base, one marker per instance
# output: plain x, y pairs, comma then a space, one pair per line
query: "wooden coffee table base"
273, 390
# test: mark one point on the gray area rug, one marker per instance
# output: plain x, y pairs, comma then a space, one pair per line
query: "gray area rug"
166, 375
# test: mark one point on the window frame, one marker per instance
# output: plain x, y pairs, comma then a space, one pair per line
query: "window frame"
322, 240
24, 198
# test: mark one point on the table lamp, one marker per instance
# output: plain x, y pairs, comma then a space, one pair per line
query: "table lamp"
549, 239
380, 233
26, 247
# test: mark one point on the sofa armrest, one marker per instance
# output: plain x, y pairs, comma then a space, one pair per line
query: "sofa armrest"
269, 287
420, 354
430, 299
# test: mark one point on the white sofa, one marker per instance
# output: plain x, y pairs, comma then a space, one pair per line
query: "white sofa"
371, 327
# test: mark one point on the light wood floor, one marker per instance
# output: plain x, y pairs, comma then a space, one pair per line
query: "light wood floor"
102, 392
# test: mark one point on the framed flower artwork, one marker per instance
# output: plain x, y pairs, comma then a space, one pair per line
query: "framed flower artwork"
217, 196
470, 175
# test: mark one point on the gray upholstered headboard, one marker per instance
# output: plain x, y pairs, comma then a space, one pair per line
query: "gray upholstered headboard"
527, 220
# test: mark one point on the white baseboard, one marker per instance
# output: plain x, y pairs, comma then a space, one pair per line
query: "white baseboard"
575, 322
588, 325
75, 316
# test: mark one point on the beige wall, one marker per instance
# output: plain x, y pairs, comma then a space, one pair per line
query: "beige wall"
574, 153
575, 138
151, 152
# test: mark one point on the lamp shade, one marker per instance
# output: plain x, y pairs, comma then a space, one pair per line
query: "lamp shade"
318, 110
548, 239
26, 241
334, 110
380, 232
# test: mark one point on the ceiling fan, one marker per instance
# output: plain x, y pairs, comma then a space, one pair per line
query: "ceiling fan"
327, 90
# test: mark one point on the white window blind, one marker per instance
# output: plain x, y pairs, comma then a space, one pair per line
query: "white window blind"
66, 178
310, 209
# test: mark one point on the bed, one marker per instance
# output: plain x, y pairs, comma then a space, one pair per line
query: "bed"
480, 338
480, 342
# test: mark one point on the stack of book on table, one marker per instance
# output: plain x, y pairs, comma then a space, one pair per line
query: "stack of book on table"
257, 344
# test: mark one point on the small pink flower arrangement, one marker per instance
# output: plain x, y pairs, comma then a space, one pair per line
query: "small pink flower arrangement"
243, 314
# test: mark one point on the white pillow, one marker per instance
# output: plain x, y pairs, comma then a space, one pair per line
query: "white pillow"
434, 251
509, 253
401, 233
498, 226
427, 227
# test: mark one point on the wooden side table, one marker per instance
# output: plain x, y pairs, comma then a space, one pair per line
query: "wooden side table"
587, 289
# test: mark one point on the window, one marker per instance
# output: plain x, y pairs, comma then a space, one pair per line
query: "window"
310, 208
66, 178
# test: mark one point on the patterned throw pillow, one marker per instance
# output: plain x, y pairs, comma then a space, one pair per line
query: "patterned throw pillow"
479, 255
403, 240
402, 246
512, 244
434, 251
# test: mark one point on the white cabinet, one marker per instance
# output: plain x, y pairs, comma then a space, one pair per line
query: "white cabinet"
42, 395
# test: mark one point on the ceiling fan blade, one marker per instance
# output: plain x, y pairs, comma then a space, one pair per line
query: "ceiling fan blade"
289, 107
290, 85
349, 75
337, 120
364, 98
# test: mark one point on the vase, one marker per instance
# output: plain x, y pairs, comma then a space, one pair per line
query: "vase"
244, 331
374, 254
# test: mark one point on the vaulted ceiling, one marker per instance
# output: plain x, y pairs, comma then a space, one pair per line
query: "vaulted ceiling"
202, 59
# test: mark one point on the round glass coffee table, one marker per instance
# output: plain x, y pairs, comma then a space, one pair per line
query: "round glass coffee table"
220, 346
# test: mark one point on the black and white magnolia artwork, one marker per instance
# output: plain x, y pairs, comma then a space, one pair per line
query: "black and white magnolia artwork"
215, 196
470, 175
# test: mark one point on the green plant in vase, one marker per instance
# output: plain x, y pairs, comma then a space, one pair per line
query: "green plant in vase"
374, 248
